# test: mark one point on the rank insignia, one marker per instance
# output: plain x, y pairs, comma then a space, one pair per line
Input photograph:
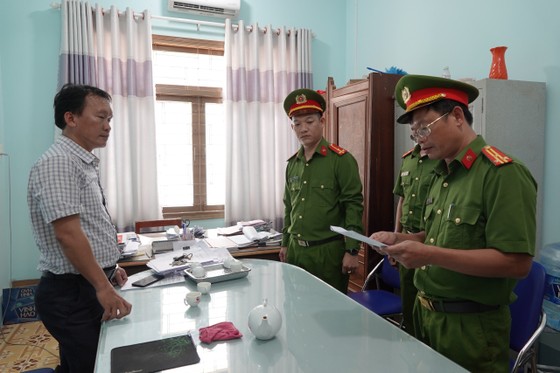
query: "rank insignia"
496, 156
337, 149
323, 150
407, 153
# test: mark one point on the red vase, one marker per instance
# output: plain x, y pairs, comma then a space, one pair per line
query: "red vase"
498, 68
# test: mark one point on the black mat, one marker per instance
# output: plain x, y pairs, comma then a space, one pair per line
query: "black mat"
154, 356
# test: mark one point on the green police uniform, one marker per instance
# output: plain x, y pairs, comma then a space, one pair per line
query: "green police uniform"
324, 191
412, 185
483, 198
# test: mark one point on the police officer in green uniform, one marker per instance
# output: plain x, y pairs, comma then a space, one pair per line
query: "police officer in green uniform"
412, 187
323, 188
479, 228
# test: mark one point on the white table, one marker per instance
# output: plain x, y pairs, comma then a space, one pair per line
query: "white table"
323, 330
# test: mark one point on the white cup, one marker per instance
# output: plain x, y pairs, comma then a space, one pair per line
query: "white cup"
193, 298
198, 271
204, 287
236, 266
228, 261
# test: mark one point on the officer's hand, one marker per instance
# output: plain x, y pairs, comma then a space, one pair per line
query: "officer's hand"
120, 277
349, 263
282, 253
411, 254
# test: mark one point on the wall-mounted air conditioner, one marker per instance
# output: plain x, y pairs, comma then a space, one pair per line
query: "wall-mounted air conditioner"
216, 8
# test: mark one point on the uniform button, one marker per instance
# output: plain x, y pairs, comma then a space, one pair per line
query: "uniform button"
423, 268
413, 195
420, 161
301, 217
305, 182
322, 187
307, 164
438, 212
416, 178
457, 220
299, 235
445, 185
410, 212
303, 199
432, 240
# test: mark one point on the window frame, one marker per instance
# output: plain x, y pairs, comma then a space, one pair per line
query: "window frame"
198, 97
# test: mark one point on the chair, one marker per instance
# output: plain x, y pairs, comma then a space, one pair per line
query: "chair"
384, 303
527, 318
162, 224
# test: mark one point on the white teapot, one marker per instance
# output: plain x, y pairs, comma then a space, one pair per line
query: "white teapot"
265, 321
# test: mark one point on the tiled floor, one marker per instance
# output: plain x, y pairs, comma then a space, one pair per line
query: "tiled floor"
29, 346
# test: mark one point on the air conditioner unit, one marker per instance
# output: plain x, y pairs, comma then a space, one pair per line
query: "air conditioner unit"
216, 8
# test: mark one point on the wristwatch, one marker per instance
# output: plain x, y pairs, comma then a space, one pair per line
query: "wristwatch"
353, 252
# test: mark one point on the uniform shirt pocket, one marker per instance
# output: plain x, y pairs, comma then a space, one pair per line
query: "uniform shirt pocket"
324, 192
464, 227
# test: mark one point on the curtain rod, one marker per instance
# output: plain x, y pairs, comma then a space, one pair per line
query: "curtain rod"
56, 5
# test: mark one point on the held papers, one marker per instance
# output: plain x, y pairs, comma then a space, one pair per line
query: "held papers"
357, 236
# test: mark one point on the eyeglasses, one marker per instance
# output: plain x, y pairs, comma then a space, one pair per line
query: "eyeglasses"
424, 131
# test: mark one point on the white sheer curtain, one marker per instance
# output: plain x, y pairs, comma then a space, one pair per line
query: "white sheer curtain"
114, 52
262, 68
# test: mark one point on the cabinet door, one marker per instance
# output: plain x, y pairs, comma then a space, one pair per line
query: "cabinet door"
510, 115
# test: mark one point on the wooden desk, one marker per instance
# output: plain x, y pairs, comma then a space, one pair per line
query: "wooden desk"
322, 330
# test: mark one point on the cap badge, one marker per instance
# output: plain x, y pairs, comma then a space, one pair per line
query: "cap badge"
405, 94
301, 99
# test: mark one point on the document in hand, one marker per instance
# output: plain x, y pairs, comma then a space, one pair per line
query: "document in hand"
357, 236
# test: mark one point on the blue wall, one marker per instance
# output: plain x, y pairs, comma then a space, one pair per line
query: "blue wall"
418, 36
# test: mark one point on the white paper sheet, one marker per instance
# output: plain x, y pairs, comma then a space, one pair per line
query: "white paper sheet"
357, 236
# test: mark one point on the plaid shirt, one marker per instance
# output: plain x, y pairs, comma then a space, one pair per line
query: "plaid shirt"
65, 182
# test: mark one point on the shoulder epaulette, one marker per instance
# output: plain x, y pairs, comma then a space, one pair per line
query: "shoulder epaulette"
337, 149
407, 153
496, 156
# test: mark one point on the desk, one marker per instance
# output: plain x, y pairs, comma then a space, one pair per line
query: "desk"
137, 264
323, 330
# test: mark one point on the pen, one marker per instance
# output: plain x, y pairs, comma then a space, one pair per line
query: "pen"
449, 211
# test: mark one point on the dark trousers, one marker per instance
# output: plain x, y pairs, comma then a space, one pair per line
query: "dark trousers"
68, 307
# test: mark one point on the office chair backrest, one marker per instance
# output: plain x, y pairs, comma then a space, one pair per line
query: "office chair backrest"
526, 310
390, 274
160, 224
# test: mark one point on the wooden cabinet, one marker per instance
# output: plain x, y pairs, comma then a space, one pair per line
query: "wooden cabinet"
361, 119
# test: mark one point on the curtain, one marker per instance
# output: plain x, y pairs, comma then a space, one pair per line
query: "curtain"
262, 68
114, 52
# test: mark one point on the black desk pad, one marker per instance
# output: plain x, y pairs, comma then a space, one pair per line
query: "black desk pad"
154, 356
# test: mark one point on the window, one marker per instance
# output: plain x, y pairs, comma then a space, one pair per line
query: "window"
189, 75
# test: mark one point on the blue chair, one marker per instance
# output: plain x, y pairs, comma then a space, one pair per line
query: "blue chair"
527, 318
384, 303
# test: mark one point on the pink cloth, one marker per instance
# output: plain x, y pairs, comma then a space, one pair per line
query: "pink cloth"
219, 332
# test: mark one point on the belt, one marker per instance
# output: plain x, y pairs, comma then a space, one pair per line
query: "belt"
109, 272
319, 242
454, 306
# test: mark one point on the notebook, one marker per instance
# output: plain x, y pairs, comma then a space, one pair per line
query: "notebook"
154, 356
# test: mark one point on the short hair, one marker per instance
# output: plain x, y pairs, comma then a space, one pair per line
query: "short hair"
72, 98
446, 105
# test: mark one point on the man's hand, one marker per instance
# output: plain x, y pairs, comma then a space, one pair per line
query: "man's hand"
350, 263
120, 277
282, 253
114, 306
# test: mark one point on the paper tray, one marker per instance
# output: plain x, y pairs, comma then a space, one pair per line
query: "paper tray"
217, 273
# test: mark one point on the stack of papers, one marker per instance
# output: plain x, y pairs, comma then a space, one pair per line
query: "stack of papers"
249, 238
166, 263
128, 243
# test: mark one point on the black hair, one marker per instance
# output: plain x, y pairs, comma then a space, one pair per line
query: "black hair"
446, 106
72, 98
